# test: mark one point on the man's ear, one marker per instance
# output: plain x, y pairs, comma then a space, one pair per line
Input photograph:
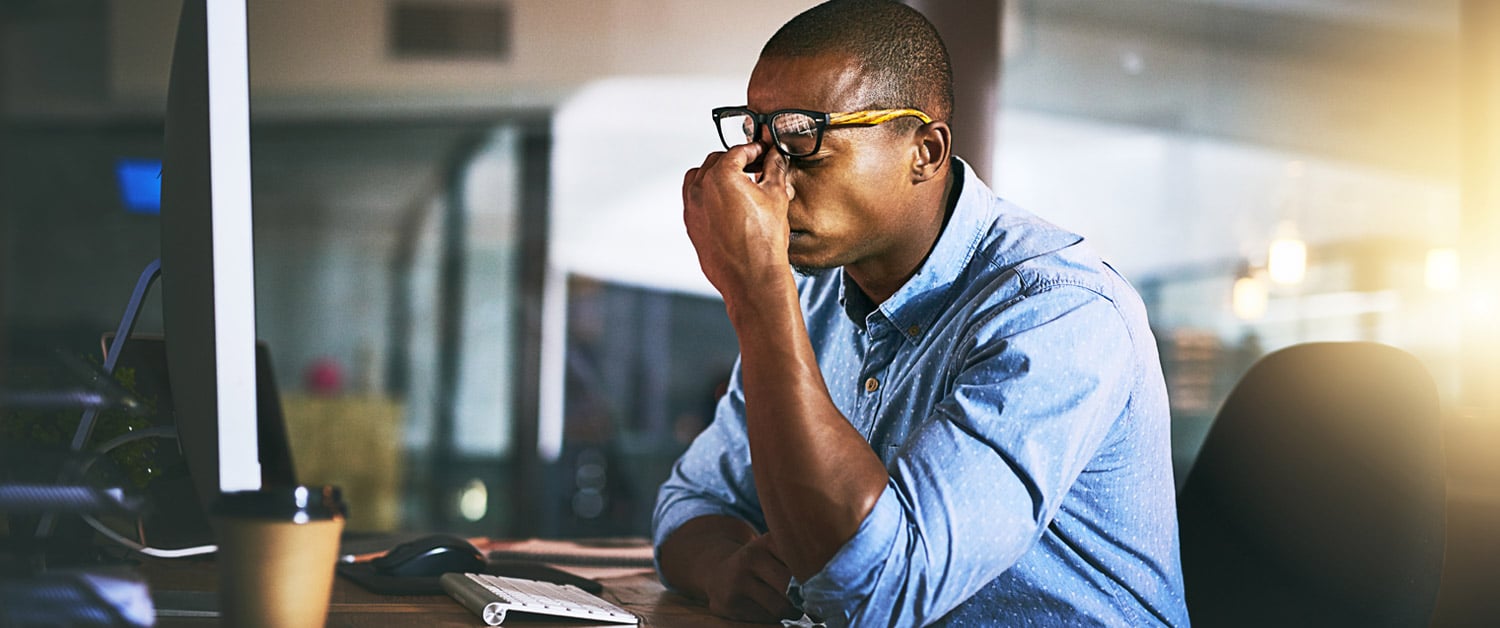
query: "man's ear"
932, 149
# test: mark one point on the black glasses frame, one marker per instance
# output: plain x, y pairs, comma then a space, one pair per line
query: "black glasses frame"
820, 123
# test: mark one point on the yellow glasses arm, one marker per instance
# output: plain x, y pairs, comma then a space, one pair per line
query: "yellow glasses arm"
875, 116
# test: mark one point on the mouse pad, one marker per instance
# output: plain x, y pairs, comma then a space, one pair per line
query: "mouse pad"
366, 576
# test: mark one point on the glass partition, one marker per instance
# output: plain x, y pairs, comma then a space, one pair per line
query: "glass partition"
1265, 173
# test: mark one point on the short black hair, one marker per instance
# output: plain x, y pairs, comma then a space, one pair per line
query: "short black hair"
903, 58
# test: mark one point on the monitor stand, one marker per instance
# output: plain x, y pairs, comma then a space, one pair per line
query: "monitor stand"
91, 415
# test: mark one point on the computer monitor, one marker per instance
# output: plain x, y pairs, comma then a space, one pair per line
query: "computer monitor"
208, 277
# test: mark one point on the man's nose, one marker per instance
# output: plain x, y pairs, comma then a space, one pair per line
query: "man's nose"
765, 136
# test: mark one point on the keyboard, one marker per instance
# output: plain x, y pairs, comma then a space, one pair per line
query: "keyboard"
493, 597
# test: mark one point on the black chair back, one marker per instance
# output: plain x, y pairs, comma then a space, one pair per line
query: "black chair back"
1318, 496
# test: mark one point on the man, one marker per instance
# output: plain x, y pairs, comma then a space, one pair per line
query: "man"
956, 415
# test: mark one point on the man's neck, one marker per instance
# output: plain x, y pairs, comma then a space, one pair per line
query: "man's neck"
879, 279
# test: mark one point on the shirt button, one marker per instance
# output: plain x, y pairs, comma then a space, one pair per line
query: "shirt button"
914, 331
872, 385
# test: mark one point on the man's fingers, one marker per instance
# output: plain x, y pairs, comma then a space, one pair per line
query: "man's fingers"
689, 179
774, 178
693, 179
695, 175
753, 590
770, 570
774, 603
749, 599
738, 158
773, 572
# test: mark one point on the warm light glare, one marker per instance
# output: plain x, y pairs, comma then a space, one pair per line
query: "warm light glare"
1287, 263
1250, 298
1443, 270
1482, 305
474, 501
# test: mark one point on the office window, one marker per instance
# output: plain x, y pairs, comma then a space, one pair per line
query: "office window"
1265, 173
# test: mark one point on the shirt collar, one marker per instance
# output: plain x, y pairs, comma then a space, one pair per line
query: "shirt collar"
913, 307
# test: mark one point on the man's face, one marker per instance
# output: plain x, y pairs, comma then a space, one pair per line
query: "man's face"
851, 201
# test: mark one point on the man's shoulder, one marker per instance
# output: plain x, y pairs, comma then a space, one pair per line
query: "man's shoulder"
1038, 255
1057, 272
1011, 243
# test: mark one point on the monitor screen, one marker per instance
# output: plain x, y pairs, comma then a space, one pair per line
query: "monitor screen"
208, 279
139, 181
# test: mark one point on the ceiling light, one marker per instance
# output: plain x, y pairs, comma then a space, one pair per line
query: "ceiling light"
1250, 297
1287, 262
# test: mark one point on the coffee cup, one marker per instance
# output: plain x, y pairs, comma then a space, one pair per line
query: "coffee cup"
277, 552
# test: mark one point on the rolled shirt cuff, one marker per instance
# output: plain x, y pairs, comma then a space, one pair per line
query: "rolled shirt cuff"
847, 582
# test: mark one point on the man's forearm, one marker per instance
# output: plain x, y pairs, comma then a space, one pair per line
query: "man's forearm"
815, 474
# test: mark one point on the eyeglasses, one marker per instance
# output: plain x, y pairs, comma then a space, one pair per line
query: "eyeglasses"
797, 132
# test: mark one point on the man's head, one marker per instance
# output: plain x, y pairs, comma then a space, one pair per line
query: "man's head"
904, 61
871, 198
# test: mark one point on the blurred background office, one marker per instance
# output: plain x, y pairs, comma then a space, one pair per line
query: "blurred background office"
485, 317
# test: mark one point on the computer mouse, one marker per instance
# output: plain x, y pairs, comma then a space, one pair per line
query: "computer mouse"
430, 556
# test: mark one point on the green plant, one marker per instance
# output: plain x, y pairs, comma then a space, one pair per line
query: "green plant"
53, 428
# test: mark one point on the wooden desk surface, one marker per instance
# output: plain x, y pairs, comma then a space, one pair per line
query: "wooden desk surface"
352, 606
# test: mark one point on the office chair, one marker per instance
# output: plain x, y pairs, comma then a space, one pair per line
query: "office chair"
1318, 496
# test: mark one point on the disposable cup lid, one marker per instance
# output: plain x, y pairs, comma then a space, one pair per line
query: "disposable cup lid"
293, 503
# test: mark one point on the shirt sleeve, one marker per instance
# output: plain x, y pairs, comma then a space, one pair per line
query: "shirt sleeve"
1039, 384
713, 477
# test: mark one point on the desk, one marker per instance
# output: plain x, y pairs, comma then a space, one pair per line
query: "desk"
352, 606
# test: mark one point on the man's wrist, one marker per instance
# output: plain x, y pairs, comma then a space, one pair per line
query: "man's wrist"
762, 302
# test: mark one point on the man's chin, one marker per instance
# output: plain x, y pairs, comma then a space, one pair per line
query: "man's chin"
803, 261
801, 264
807, 267
805, 271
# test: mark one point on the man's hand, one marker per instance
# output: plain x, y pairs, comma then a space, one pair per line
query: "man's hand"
722, 561
738, 224
751, 584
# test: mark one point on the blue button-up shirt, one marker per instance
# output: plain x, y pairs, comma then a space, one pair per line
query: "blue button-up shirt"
1013, 390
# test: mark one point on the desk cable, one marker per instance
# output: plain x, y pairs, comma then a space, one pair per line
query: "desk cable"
137, 546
